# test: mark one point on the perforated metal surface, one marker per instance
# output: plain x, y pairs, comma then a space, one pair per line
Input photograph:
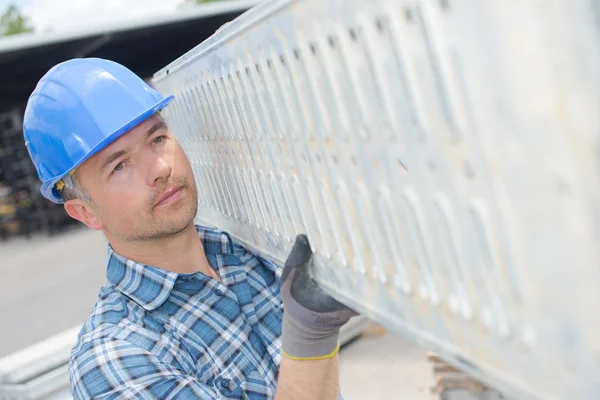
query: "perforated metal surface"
441, 156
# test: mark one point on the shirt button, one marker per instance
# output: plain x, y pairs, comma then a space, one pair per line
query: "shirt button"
225, 383
218, 292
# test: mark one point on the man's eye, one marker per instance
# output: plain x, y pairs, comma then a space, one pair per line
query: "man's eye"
119, 167
158, 139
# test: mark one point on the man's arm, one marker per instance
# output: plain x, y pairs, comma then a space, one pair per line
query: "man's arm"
300, 379
310, 331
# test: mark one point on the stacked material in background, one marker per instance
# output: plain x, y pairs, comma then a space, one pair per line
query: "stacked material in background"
23, 210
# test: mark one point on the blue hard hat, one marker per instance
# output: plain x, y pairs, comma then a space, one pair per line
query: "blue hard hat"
79, 107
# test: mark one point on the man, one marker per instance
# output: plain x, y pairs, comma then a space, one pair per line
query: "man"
187, 312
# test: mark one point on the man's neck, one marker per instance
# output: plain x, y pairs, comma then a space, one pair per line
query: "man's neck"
182, 253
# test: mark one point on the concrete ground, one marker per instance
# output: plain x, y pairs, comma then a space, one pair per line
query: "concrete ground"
49, 285
385, 367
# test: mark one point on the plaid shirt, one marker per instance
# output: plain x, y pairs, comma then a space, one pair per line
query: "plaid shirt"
156, 334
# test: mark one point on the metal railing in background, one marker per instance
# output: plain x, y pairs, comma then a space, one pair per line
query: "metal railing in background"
39, 371
441, 155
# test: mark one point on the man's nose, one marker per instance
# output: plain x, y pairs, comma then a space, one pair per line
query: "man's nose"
159, 168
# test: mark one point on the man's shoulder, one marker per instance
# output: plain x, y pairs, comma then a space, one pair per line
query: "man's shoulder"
110, 309
113, 330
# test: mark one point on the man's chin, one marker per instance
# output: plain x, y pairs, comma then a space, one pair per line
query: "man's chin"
177, 220
161, 231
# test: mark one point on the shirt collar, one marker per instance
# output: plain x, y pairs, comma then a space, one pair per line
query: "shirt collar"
150, 286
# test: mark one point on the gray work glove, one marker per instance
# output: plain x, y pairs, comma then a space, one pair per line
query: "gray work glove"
311, 318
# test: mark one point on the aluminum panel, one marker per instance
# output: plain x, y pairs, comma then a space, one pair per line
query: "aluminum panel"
442, 157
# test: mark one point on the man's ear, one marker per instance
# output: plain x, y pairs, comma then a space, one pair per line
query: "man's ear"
84, 213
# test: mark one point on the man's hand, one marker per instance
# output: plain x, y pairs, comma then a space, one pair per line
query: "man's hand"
311, 319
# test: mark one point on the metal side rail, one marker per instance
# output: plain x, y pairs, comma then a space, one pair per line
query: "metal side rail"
442, 157
39, 371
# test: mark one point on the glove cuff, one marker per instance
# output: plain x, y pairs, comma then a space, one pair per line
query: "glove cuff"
300, 342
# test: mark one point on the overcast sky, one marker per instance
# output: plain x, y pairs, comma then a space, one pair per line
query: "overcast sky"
74, 14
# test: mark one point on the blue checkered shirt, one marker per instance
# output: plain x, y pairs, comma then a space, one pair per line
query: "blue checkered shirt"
156, 334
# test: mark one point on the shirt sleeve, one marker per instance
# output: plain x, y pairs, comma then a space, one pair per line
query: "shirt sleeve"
117, 369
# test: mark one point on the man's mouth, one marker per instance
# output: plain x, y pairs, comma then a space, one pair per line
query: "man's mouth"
170, 196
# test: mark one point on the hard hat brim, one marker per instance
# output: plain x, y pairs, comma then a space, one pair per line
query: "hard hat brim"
48, 188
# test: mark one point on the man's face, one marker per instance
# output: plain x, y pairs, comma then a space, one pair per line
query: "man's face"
142, 185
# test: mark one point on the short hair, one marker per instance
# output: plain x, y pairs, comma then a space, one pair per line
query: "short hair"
75, 191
